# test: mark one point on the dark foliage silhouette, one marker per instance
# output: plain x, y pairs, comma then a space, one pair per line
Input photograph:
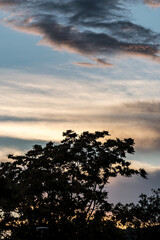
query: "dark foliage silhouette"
63, 186
143, 214
142, 219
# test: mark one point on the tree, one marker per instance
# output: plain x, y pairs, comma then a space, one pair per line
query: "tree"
145, 213
63, 185
142, 219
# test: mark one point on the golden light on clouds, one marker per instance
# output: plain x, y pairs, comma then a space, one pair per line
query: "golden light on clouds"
42, 107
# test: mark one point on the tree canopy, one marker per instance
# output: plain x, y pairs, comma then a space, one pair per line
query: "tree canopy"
63, 185
143, 214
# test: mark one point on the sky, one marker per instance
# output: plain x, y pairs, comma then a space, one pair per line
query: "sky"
84, 65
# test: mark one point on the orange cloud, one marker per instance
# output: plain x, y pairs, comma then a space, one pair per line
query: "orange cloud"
100, 63
153, 3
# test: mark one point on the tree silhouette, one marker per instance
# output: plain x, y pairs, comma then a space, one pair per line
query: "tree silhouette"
142, 219
63, 186
143, 214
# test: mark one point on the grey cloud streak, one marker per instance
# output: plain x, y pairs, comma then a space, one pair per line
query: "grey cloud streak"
95, 29
139, 120
22, 144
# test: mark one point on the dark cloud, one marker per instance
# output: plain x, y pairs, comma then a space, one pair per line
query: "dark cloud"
128, 32
88, 27
142, 106
79, 11
103, 62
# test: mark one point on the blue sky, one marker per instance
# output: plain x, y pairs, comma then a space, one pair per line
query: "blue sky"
82, 65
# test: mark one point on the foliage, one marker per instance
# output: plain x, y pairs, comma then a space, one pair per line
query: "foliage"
145, 233
63, 185
143, 214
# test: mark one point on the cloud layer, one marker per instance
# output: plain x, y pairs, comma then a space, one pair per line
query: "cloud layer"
153, 3
96, 29
42, 107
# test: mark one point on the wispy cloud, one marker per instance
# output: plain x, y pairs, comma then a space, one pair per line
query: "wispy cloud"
96, 29
153, 3
42, 107
86, 64
99, 63
151, 170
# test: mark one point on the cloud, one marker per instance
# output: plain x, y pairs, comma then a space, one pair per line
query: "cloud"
85, 64
95, 29
42, 107
103, 62
99, 63
9, 2
151, 170
153, 3
7, 142
141, 106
